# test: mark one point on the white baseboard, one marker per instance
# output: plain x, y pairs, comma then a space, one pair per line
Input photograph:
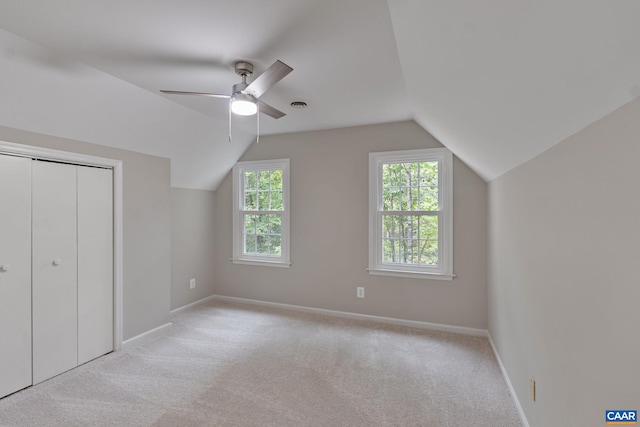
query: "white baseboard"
523, 417
144, 337
347, 315
187, 306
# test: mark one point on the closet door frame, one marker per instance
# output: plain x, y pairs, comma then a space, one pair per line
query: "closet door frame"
86, 160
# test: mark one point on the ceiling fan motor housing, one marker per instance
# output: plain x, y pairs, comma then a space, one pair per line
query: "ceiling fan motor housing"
244, 68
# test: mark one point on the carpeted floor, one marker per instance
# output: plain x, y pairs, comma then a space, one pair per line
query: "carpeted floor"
223, 364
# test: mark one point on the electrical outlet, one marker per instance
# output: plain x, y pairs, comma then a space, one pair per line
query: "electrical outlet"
360, 292
532, 388
192, 284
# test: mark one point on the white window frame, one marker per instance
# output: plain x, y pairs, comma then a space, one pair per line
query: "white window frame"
239, 257
444, 269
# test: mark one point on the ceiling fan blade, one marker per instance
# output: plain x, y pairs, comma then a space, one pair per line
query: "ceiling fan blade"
179, 92
271, 76
269, 110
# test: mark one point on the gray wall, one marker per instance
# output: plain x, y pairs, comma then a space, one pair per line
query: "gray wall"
146, 228
329, 232
564, 283
192, 245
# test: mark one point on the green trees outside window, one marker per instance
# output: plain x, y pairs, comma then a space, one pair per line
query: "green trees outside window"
262, 231
410, 213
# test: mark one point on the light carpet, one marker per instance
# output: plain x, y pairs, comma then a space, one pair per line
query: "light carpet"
226, 364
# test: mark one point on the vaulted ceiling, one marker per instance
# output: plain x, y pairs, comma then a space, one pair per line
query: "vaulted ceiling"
497, 82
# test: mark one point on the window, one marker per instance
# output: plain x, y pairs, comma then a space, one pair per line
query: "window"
410, 213
261, 213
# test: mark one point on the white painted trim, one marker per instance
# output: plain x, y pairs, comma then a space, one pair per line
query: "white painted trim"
261, 263
118, 251
411, 274
145, 336
187, 306
238, 257
11, 148
444, 157
514, 396
357, 316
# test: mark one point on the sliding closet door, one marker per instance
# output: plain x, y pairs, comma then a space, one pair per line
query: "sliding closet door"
95, 263
54, 274
15, 274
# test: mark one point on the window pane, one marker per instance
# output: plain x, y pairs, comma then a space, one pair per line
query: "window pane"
250, 201
387, 199
276, 180
428, 199
428, 227
429, 174
249, 223
262, 224
263, 180
250, 233
263, 190
250, 180
249, 243
414, 204
263, 200
262, 243
275, 224
274, 245
262, 234
276, 200
410, 239
427, 240
410, 186
393, 202
389, 251
401, 202
429, 252
392, 174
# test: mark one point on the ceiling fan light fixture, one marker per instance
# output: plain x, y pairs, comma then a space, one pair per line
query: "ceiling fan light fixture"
243, 105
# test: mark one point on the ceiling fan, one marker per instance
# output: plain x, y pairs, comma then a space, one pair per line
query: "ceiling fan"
244, 98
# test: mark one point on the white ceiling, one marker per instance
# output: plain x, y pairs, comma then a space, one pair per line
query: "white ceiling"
496, 81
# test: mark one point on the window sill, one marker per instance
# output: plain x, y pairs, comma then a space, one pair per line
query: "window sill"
411, 274
279, 264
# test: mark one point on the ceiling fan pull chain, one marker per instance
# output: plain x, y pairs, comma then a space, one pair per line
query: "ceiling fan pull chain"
229, 121
258, 124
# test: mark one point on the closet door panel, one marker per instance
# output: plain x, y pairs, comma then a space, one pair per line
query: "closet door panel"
54, 269
15, 274
95, 263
